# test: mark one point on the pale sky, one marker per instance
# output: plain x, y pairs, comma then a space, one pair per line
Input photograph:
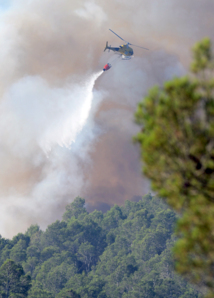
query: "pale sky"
4, 4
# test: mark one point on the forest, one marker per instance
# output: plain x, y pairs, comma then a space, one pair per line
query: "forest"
124, 253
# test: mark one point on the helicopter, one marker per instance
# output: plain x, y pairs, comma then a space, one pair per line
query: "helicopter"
123, 50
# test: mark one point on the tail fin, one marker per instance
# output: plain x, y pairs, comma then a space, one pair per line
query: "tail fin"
106, 46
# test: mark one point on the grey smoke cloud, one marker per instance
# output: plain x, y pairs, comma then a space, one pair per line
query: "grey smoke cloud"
56, 141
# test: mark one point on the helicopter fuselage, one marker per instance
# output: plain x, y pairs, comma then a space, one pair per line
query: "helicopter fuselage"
125, 50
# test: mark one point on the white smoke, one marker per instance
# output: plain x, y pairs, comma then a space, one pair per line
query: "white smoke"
44, 127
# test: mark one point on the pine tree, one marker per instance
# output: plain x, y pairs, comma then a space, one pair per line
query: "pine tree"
13, 282
177, 149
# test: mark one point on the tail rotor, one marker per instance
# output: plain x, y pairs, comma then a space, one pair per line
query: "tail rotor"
106, 46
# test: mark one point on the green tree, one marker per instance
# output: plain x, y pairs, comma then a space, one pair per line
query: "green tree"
68, 293
13, 282
37, 291
177, 149
18, 252
86, 254
76, 208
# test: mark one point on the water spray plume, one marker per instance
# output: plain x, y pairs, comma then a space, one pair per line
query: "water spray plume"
84, 111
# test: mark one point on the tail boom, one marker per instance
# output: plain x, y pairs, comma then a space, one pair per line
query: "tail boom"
111, 48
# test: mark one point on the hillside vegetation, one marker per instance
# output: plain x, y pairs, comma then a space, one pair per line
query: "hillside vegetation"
122, 253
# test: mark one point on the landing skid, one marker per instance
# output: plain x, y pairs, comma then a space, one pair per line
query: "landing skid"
126, 57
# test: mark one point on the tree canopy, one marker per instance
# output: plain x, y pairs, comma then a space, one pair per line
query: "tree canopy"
124, 253
177, 150
13, 281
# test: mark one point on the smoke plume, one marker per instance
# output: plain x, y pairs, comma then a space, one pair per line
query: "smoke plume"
64, 129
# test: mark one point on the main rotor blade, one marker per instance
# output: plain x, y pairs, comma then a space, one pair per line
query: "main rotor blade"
118, 35
127, 41
138, 46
